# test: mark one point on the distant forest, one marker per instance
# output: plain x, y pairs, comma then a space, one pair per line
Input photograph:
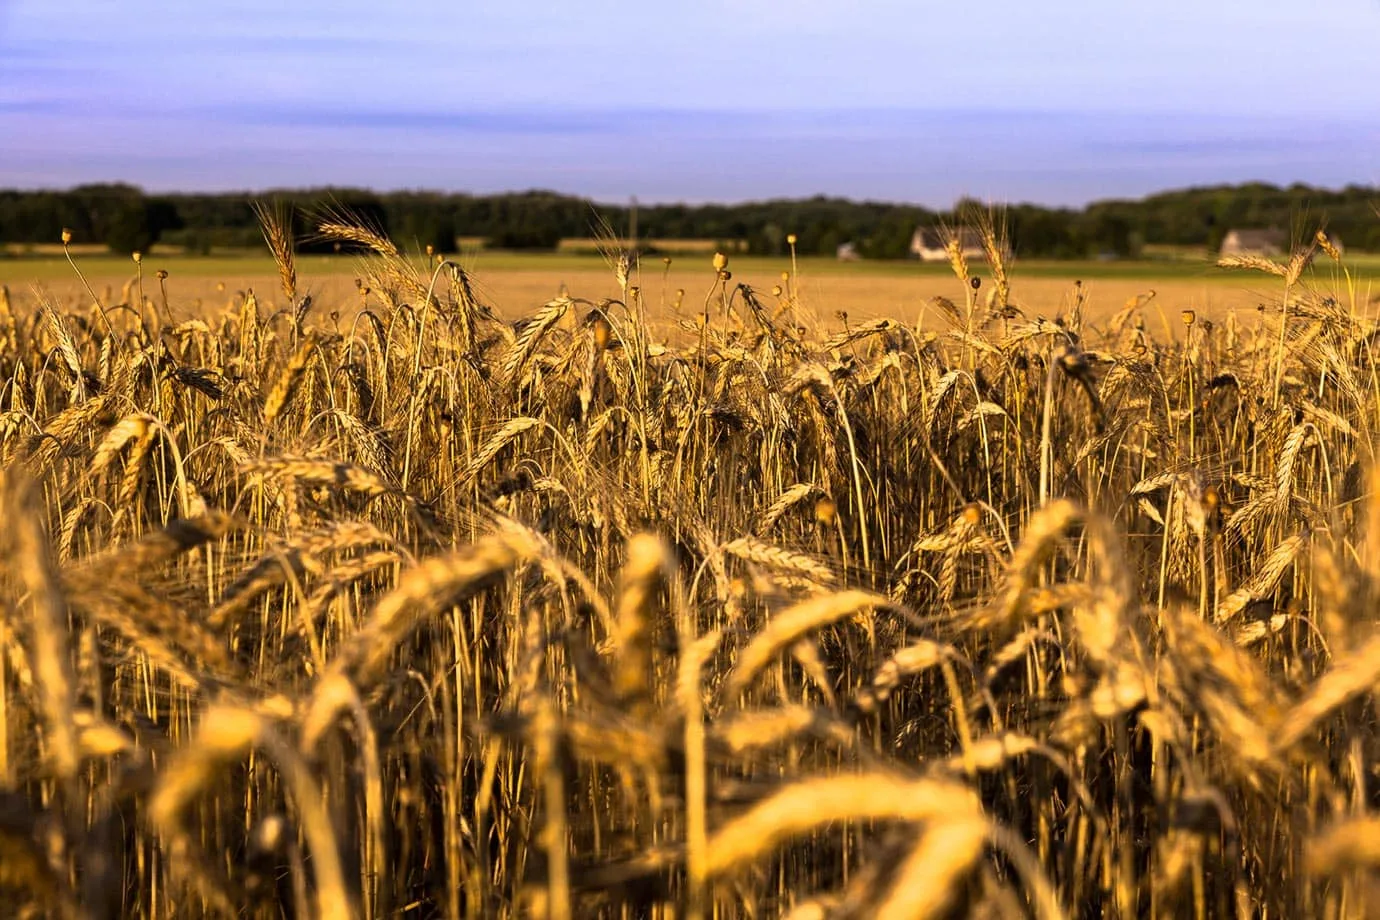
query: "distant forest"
126, 219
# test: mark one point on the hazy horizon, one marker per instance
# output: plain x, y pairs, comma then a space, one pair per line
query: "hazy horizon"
261, 190
722, 103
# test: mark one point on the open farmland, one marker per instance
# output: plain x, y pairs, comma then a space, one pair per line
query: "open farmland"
1060, 604
517, 283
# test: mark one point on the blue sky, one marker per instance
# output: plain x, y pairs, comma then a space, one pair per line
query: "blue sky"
1056, 102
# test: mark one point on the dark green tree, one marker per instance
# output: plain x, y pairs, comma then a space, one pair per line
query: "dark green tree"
429, 228
131, 226
530, 235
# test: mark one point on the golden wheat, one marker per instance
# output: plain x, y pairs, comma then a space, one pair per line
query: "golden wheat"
411, 610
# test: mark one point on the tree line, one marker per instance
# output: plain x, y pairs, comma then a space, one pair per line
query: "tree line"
126, 219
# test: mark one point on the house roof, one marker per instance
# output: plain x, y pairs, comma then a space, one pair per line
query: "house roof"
936, 237
1252, 238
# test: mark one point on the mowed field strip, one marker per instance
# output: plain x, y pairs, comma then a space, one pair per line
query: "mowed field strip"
515, 284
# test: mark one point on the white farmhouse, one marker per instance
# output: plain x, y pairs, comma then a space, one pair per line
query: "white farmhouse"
927, 243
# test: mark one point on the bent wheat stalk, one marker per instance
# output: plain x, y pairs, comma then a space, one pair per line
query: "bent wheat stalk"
791, 624
810, 804
422, 591
226, 734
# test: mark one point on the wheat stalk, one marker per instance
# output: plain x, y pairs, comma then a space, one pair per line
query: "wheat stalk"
1358, 672
647, 565
791, 624
532, 335
765, 554
810, 804
30, 563
420, 591
276, 223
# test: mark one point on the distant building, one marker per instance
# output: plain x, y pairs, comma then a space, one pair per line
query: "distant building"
1270, 242
848, 252
927, 243
1263, 243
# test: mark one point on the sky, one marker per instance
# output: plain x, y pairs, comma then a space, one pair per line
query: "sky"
1059, 102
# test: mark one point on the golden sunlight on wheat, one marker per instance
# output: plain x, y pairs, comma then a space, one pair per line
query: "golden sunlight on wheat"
423, 613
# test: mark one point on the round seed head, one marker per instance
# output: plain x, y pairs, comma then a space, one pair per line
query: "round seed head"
602, 332
720, 261
66, 236
269, 834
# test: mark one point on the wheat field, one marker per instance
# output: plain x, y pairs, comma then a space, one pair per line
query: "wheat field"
511, 283
424, 613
